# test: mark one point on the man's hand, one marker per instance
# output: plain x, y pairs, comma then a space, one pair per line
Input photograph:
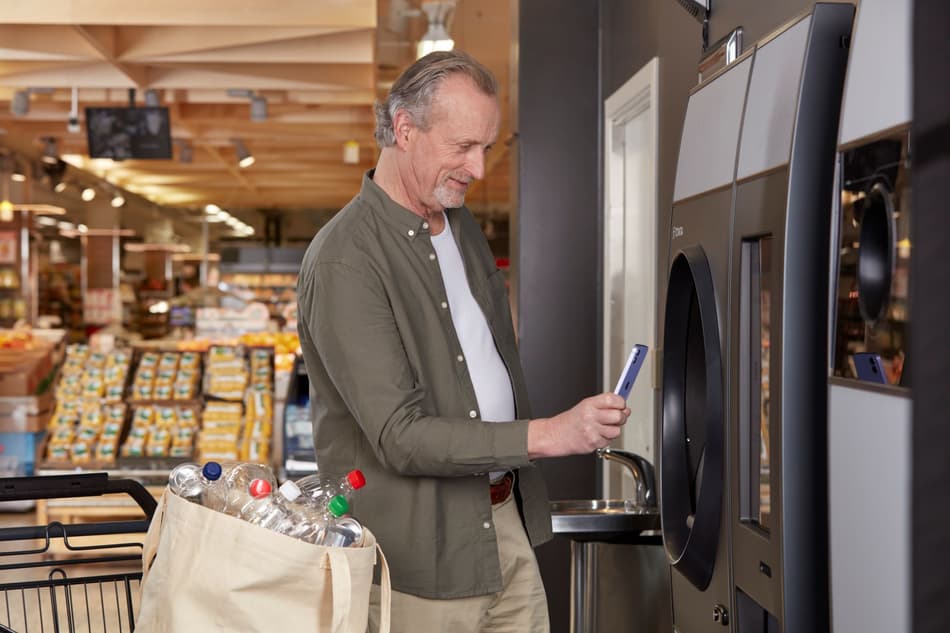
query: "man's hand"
589, 425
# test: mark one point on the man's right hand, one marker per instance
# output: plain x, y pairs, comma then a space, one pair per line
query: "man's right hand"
584, 428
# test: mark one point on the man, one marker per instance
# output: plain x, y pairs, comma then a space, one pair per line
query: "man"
408, 341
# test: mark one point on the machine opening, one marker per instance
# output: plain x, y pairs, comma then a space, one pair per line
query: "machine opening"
692, 459
876, 254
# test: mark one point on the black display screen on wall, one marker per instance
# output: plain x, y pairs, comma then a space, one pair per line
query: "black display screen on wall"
127, 133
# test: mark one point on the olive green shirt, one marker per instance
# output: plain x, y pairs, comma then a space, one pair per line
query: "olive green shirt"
392, 395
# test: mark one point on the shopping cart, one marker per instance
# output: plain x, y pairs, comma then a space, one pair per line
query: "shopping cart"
60, 577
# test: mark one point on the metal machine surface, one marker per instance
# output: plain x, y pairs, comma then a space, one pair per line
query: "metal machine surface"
745, 341
694, 505
870, 424
780, 244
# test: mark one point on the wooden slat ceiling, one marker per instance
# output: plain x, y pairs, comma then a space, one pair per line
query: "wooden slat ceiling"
320, 64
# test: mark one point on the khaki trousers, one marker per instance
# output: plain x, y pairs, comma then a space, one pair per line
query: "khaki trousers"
520, 607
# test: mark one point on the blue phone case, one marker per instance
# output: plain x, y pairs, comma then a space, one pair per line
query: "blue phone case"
869, 367
629, 375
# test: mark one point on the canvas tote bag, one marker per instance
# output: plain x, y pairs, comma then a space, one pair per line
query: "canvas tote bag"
207, 571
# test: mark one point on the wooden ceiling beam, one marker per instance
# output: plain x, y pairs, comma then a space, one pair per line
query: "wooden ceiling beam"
351, 13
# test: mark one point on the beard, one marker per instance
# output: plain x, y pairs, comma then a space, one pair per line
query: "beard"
450, 197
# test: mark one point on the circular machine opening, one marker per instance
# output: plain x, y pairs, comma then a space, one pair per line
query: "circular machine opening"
692, 450
876, 253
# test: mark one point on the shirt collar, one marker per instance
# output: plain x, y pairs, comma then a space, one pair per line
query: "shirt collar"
397, 216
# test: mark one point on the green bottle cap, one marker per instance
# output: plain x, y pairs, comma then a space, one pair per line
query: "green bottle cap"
338, 506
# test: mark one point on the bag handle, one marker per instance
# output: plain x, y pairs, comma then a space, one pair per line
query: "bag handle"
152, 538
340, 580
385, 592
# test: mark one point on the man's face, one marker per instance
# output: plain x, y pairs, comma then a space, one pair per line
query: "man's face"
447, 157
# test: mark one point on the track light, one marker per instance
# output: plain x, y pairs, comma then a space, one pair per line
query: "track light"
258, 103
88, 194
50, 151
18, 174
258, 109
20, 103
436, 37
245, 158
151, 98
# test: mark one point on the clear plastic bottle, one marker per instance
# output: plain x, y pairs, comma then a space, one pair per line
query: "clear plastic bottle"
198, 484
272, 511
343, 532
321, 487
312, 522
237, 480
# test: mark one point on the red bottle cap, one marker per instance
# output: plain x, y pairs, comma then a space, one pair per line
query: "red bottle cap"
356, 479
260, 488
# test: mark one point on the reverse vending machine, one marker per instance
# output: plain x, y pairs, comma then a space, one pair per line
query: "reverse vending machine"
870, 409
743, 460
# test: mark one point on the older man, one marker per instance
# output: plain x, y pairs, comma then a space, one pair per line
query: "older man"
414, 370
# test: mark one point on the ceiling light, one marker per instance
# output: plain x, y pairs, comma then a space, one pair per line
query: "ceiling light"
212, 209
20, 104
245, 158
351, 153
151, 98
258, 109
118, 200
60, 187
6, 211
17, 175
436, 37
50, 151
258, 103
185, 152
88, 194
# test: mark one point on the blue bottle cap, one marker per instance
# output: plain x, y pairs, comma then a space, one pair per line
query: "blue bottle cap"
211, 471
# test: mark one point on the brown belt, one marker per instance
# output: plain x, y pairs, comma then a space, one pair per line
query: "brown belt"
501, 490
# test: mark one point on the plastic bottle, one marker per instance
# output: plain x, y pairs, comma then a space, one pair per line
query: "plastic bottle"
343, 532
272, 511
194, 482
237, 480
321, 487
312, 522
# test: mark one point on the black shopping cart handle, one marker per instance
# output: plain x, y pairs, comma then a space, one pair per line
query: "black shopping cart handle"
84, 485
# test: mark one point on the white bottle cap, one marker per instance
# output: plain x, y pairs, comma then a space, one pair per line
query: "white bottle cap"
289, 490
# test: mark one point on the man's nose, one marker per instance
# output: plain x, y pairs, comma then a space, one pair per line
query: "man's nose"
476, 164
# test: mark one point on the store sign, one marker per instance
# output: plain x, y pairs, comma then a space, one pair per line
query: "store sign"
8, 243
100, 306
223, 323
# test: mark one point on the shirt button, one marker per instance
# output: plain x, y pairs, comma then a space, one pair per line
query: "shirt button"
425, 225
486, 525
444, 305
432, 256
410, 232
473, 413
460, 358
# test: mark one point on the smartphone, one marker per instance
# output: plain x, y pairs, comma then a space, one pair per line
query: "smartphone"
869, 367
629, 375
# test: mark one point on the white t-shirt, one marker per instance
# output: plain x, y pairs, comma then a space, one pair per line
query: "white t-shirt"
489, 374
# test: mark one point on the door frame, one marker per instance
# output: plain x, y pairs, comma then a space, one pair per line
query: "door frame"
637, 95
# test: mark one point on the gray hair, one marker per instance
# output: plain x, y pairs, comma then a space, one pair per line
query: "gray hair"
414, 89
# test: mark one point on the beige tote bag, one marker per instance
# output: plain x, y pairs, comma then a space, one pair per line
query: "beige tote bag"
207, 571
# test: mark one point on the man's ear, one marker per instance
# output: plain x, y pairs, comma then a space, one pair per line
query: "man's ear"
402, 127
